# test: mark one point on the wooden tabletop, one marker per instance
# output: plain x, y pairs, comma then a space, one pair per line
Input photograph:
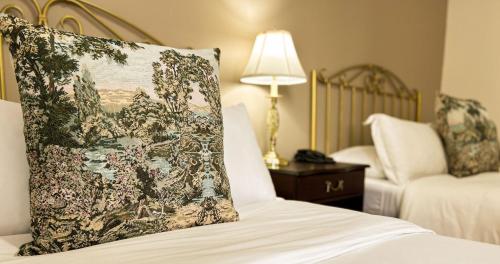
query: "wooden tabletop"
299, 168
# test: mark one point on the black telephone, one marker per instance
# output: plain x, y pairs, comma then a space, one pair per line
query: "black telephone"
312, 156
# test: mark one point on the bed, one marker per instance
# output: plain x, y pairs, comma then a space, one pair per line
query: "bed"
279, 231
453, 206
464, 208
271, 230
349, 96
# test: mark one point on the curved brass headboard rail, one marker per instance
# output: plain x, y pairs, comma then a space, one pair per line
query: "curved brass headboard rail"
374, 84
86, 7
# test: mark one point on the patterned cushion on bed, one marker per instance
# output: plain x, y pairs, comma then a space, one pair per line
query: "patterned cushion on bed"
469, 135
123, 139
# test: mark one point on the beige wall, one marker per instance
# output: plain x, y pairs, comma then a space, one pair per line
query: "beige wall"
406, 36
471, 67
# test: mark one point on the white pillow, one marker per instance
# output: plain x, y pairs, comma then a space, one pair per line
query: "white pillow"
407, 150
248, 176
14, 172
362, 155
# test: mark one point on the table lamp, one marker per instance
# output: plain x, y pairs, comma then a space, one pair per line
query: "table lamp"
273, 62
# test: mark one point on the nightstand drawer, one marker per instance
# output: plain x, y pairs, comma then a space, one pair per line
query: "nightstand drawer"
339, 184
326, 186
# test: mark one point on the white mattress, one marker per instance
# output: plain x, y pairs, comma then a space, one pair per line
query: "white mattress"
277, 232
382, 197
460, 207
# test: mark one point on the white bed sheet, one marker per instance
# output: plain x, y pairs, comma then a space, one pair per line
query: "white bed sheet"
275, 232
271, 232
423, 249
466, 208
382, 197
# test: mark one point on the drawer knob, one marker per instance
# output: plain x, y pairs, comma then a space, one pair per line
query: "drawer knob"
330, 187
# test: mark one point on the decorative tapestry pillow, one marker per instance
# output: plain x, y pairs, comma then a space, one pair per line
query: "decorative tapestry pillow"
123, 139
469, 136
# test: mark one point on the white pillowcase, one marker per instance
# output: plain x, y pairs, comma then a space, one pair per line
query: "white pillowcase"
362, 155
407, 150
248, 176
14, 172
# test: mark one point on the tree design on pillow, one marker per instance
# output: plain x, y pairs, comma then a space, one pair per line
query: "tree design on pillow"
469, 136
123, 139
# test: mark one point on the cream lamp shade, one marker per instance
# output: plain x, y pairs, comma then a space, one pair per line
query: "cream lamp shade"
274, 61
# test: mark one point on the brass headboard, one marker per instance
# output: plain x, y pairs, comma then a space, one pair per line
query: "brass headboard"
356, 92
90, 9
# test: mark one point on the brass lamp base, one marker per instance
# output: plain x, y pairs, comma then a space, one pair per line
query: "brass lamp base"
273, 161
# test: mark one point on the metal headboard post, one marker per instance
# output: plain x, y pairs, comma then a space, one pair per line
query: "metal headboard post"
86, 7
370, 80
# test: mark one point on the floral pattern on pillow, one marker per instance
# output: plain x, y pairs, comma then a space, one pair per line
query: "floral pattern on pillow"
469, 136
123, 139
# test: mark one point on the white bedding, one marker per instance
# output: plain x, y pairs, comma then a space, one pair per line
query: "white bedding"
466, 208
277, 232
382, 197
423, 249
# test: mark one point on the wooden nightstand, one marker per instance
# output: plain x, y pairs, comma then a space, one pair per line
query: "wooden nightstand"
338, 184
